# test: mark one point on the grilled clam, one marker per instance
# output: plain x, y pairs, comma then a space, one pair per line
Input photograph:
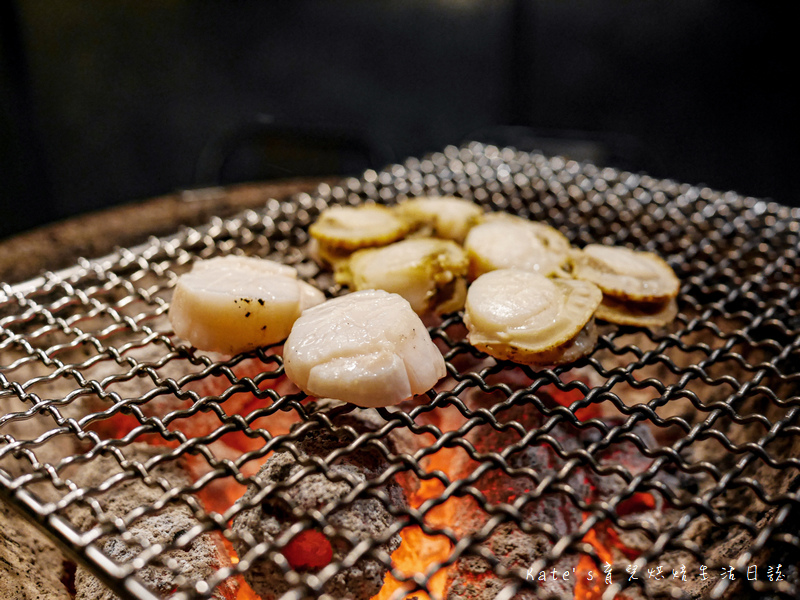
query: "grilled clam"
445, 217
504, 241
368, 348
625, 273
531, 319
233, 304
429, 273
341, 230
639, 288
637, 314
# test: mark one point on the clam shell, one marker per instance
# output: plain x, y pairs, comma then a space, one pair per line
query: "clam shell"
626, 274
518, 315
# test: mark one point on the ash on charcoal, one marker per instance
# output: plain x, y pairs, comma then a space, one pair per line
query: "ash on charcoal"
362, 420
31, 567
399, 440
33, 456
50, 452
364, 518
724, 546
174, 567
472, 577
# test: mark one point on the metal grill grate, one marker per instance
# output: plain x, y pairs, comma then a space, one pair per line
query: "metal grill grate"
663, 449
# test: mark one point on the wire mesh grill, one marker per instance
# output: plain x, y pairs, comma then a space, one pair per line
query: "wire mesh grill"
664, 463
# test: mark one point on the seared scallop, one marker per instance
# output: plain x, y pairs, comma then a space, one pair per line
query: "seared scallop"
531, 319
639, 288
625, 273
504, 241
446, 217
341, 230
430, 273
233, 304
368, 348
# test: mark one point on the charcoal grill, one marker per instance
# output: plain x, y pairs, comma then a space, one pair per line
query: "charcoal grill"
710, 403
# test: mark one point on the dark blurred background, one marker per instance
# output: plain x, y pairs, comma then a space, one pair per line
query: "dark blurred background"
103, 102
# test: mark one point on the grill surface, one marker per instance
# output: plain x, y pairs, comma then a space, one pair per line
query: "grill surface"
90, 371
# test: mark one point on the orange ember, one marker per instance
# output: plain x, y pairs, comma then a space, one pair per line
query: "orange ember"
604, 539
586, 588
309, 549
234, 588
638, 502
416, 554
247, 593
419, 552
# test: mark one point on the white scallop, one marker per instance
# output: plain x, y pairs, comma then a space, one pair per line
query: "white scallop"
505, 241
368, 348
514, 314
625, 273
448, 217
233, 304
349, 228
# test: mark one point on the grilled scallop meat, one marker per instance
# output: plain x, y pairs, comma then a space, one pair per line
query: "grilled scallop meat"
531, 319
504, 241
233, 304
446, 217
639, 288
341, 230
430, 273
368, 348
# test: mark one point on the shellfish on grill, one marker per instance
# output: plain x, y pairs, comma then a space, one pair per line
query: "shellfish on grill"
639, 288
430, 273
341, 230
504, 241
531, 319
232, 304
368, 348
445, 217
